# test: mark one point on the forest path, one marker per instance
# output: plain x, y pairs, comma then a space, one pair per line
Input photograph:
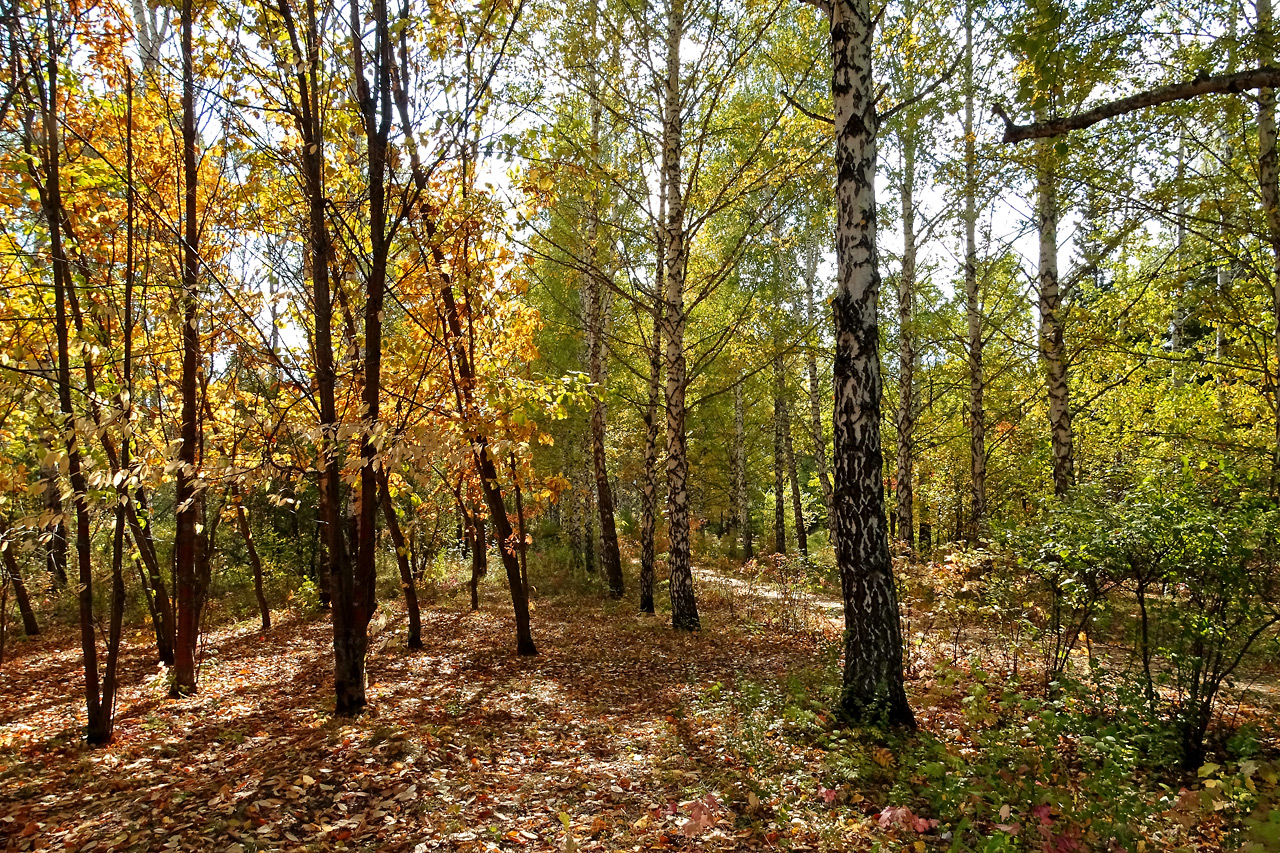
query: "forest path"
464, 747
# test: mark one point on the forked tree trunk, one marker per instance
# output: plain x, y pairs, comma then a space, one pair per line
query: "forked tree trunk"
407, 585
684, 606
872, 687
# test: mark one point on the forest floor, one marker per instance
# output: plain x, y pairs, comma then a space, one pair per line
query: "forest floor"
619, 735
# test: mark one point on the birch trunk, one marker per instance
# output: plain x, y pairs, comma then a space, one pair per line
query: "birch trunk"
815, 388
1052, 324
684, 606
1269, 181
872, 688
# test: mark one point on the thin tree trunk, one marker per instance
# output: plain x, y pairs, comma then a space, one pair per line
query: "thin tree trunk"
684, 605
255, 563
904, 492
402, 560
483, 461
779, 458
873, 681
98, 728
649, 497
115, 624
521, 536
479, 556
736, 473
157, 595
188, 619
797, 505
56, 549
740, 470
973, 306
594, 297
577, 514
30, 626
464, 374
610, 556
815, 392
1053, 325
354, 590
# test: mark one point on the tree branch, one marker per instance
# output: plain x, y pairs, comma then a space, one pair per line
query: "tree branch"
1220, 84
801, 108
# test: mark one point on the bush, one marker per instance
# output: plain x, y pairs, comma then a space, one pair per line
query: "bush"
1202, 574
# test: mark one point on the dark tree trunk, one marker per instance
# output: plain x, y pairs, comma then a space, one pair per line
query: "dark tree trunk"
649, 499
110, 679
402, 560
187, 634
479, 556
98, 728
56, 549
30, 626
484, 466
873, 680
522, 540
596, 324
255, 563
502, 532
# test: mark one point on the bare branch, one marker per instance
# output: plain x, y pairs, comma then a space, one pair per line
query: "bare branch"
1220, 84
799, 107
